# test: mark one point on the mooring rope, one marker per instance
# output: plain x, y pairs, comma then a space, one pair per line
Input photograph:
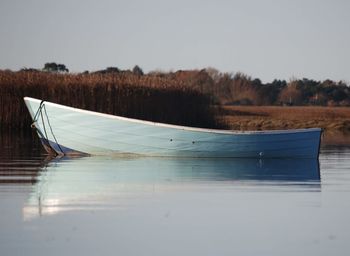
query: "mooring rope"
37, 112
45, 137
42, 120
53, 135
35, 119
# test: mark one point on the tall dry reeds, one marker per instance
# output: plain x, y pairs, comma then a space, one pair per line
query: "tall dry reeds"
148, 97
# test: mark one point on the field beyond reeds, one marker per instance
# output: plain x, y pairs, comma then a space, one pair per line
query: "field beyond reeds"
334, 120
283, 117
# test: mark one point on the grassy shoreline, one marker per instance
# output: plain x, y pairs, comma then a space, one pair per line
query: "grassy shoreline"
334, 120
331, 119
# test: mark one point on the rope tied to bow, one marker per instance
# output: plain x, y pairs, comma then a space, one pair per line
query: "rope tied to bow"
39, 113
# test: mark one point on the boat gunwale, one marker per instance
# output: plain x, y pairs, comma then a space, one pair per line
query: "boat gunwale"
172, 126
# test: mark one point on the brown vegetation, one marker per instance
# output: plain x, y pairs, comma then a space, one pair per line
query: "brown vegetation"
335, 119
241, 89
153, 98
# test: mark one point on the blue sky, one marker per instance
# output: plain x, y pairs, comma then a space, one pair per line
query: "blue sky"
264, 38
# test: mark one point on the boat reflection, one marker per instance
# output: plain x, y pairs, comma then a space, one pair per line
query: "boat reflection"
94, 183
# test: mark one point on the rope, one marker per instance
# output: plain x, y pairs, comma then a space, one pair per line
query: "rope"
45, 137
41, 135
38, 111
42, 120
53, 135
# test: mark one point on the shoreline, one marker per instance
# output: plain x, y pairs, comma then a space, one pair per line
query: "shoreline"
331, 119
334, 120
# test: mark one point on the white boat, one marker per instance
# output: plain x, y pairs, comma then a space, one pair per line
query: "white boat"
65, 130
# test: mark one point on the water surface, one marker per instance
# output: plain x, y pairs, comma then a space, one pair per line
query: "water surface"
169, 206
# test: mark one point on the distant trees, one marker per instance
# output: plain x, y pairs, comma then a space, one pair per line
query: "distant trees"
213, 73
114, 70
30, 70
291, 94
137, 71
109, 70
244, 90
269, 92
241, 89
54, 67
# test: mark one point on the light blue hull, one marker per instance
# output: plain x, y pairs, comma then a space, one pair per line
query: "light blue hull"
69, 130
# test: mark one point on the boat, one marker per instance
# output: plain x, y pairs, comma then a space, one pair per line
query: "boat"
66, 130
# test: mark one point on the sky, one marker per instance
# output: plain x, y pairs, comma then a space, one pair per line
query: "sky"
266, 39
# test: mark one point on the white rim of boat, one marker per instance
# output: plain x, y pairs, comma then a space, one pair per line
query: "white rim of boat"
179, 127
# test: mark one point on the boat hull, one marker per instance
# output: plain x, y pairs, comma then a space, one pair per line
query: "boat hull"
67, 130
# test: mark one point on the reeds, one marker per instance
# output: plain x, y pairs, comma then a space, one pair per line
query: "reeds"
148, 97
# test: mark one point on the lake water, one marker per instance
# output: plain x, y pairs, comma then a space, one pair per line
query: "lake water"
169, 206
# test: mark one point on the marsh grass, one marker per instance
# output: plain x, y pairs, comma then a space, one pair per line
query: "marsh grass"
153, 98
331, 119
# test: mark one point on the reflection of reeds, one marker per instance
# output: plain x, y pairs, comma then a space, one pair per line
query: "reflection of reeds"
149, 97
19, 144
21, 158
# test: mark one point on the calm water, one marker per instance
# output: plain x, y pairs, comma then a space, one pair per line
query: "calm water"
168, 206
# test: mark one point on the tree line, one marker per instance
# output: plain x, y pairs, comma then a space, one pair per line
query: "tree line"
239, 88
